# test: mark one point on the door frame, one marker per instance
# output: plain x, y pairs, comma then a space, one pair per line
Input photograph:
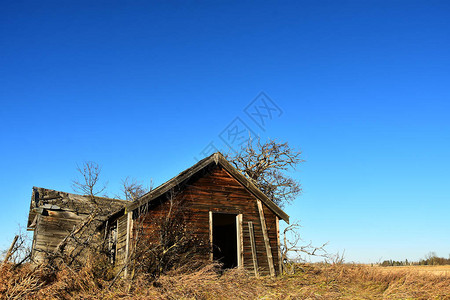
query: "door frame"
239, 236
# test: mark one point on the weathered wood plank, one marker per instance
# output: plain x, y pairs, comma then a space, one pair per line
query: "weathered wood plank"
121, 241
252, 243
266, 238
280, 263
127, 243
201, 203
10, 250
240, 240
211, 255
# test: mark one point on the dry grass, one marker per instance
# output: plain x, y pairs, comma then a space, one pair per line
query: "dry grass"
436, 270
309, 282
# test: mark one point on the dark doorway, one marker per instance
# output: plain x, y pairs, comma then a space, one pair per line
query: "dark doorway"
225, 240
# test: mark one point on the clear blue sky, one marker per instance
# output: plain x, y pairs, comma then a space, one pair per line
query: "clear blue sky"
143, 87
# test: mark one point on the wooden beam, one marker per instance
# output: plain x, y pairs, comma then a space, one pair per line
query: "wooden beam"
211, 256
252, 243
240, 241
11, 248
33, 245
266, 238
127, 244
280, 263
117, 242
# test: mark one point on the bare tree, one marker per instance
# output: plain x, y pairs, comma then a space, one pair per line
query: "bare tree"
89, 184
133, 189
266, 164
81, 236
293, 247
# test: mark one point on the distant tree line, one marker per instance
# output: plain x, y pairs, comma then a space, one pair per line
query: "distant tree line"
430, 259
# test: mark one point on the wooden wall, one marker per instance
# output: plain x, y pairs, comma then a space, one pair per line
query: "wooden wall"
121, 241
54, 214
217, 191
53, 228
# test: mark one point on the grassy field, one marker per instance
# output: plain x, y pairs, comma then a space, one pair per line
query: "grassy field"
436, 270
310, 281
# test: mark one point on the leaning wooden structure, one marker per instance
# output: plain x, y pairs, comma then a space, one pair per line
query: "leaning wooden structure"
54, 214
237, 223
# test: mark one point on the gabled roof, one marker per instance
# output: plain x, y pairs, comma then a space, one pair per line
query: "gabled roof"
217, 159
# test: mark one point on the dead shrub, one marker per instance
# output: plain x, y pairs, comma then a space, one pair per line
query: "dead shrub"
165, 241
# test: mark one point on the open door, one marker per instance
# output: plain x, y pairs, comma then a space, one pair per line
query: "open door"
225, 239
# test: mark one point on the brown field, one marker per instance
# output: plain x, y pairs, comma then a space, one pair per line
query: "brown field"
435, 270
310, 281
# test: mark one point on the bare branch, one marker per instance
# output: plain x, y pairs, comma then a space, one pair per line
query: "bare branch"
293, 247
133, 190
89, 182
266, 165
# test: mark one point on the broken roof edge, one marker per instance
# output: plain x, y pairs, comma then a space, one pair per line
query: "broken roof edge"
31, 213
79, 195
216, 158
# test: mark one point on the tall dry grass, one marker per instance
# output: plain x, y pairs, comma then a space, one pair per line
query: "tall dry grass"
311, 281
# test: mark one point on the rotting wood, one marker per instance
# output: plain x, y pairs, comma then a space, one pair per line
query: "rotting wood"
240, 240
266, 238
214, 191
10, 250
252, 243
58, 219
78, 229
121, 242
127, 243
205, 194
215, 158
211, 256
280, 262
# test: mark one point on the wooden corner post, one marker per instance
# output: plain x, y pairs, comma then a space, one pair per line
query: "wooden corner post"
240, 241
128, 239
211, 255
266, 238
280, 261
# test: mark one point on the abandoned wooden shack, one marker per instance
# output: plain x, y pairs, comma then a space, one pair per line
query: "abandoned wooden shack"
54, 214
230, 217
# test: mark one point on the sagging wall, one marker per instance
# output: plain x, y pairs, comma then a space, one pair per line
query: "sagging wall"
52, 227
123, 223
217, 191
54, 214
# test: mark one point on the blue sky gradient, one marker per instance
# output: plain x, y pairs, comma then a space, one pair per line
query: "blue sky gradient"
143, 87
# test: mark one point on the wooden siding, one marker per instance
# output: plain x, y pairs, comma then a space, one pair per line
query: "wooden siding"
53, 228
121, 241
54, 214
217, 191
